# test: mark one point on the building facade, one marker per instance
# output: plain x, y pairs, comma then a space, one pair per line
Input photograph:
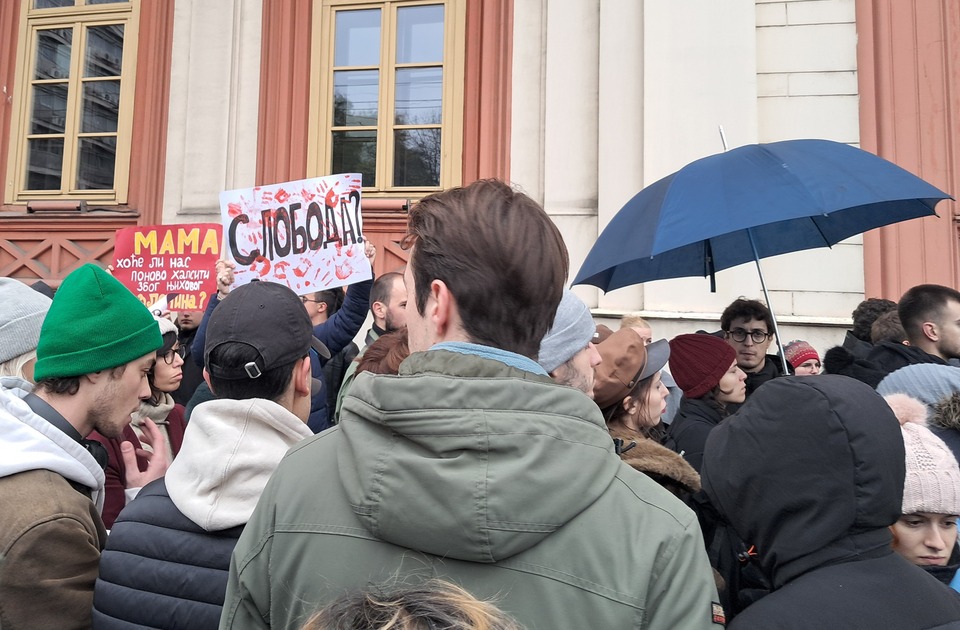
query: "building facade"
126, 112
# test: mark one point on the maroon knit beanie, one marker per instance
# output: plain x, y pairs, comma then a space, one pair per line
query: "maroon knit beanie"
698, 362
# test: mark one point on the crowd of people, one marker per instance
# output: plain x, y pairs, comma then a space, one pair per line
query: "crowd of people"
490, 458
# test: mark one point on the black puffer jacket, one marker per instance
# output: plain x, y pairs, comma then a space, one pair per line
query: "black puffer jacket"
183, 590
688, 432
811, 472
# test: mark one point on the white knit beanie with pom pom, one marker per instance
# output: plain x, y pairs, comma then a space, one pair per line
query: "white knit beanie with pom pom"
933, 477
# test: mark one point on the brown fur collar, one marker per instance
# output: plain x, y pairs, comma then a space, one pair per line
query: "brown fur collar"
660, 463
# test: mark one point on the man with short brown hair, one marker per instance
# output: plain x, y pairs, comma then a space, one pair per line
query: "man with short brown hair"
472, 464
748, 328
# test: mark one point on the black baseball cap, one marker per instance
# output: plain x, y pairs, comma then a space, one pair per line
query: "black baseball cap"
270, 318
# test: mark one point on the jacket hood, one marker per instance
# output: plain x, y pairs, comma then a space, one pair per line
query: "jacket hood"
810, 471
464, 457
229, 451
32, 443
891, 356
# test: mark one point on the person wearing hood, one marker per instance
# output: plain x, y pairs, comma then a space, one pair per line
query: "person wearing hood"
164, 379
184, 527
705, 367
472, 465
811, 472
926, 532
95, 347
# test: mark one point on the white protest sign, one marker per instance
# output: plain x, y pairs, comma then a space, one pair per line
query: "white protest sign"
306, 234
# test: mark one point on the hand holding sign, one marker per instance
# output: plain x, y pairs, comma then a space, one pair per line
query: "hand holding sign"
224, 276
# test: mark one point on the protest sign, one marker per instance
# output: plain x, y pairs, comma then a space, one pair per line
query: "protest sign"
306, 234
169, 261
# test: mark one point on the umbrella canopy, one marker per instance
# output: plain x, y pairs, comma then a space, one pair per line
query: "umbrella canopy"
752, 202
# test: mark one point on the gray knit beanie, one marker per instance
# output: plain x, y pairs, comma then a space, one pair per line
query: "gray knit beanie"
21, 315
573, 329
927, 382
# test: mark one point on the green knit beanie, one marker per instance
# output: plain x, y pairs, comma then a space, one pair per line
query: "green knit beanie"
94, 324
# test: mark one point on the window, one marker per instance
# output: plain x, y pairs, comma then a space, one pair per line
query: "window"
73, 116
388, 94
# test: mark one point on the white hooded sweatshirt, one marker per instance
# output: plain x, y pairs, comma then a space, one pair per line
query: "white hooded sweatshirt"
230, 449
29, 442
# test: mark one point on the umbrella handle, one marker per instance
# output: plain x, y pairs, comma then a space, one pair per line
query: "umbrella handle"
766, 296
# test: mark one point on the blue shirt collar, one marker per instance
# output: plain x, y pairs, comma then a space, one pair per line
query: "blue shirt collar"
506, 357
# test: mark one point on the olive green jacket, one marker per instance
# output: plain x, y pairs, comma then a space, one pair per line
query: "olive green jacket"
494, 478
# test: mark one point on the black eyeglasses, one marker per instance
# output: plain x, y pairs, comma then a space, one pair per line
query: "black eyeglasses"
305, 299
740, 335
179, 351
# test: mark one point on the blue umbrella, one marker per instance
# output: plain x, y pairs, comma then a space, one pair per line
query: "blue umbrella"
752, 202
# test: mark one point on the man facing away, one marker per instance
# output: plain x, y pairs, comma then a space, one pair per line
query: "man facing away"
472, 465
388, 305
748, 328
183, 528
97, 344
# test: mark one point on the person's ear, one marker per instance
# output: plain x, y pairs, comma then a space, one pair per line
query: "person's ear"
206, 378
379, 310
441, 309
930, 331
94, 377
302, 377
630, 405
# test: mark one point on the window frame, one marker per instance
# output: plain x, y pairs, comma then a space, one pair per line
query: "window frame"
79, 18
319, 148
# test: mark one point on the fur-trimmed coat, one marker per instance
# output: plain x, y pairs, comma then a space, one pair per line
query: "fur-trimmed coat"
658, 462
945, 423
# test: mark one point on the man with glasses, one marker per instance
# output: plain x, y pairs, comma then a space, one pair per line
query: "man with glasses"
748, 328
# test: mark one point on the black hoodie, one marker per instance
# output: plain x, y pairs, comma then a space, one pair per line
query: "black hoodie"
811, 472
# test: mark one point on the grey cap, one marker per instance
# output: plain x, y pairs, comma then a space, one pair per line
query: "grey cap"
573, 329
21, 315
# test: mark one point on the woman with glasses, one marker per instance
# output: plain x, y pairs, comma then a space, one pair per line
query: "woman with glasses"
164, 378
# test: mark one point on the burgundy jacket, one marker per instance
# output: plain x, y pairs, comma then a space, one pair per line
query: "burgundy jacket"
114, 498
